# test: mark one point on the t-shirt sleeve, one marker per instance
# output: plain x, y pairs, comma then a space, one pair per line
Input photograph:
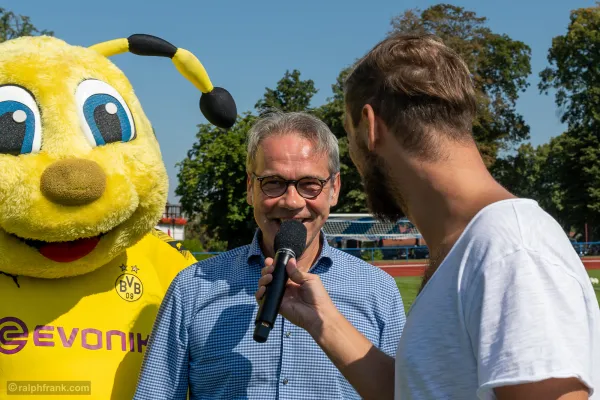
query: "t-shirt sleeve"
528, 320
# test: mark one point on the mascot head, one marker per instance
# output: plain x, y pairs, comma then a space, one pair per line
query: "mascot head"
81, 173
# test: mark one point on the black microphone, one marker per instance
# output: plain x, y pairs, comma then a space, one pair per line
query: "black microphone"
289, 243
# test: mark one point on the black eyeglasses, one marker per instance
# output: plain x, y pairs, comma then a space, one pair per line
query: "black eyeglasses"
275, 186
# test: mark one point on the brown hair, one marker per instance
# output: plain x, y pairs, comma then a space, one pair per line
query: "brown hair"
414, 84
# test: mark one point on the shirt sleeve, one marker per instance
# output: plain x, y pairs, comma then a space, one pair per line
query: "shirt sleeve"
395, 318
528, 320
164, 371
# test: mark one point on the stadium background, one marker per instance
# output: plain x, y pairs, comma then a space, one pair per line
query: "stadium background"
397, 248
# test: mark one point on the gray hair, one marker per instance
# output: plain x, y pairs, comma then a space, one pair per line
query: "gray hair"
306, 125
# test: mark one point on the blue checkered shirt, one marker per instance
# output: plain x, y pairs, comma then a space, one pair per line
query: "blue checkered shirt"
202, 337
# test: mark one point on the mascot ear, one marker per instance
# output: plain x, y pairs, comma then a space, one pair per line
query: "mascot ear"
216, 104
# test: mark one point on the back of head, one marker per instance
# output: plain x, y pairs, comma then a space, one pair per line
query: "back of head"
418, 87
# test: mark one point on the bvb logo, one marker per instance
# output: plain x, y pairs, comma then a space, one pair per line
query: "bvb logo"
128, 286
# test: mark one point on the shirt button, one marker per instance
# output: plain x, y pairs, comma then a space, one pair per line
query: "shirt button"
285, 381
288, 334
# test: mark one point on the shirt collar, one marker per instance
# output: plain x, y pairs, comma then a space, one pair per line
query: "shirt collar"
255, 253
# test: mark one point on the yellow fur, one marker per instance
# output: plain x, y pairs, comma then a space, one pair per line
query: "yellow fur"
97, 318
136, 180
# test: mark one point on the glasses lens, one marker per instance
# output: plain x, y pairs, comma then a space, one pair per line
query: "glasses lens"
309, 187
273, 187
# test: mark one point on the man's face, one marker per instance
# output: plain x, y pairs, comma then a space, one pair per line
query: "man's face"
384, 199
291, 157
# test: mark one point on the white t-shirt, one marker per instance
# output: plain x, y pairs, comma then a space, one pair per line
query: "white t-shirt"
511, 303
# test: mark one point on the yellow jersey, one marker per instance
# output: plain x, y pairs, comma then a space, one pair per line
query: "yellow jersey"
85, 334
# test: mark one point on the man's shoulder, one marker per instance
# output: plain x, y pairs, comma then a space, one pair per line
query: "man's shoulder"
228, 255
509, 225
230, 258
517, 228
219, 263
368, 284
501, 217
514, 216
348, 259
355, 266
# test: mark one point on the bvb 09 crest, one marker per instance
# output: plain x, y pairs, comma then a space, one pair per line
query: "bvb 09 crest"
129, 286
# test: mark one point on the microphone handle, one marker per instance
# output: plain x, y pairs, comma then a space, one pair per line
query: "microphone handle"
269, 309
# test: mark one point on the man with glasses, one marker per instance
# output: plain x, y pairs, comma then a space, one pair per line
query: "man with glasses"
203, 336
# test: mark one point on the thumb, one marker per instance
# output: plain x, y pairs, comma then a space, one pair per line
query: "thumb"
294, 273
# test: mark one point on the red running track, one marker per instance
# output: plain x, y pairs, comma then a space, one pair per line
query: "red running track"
417, 268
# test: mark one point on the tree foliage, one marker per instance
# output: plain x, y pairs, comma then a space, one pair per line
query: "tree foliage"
13, 26
562, 175
574, 73
212, 182
522, 171
291, 94
574, 70
532, 172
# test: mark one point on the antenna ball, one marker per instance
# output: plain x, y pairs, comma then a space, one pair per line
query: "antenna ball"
219, 108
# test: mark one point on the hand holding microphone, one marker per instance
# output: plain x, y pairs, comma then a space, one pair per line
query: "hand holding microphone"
303, 301
289, 243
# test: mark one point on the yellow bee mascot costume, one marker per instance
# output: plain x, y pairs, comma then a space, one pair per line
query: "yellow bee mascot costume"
82, 185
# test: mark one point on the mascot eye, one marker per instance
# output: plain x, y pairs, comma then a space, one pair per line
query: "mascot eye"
20, 124
104, 115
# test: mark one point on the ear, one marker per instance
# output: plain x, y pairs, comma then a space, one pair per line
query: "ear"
249, 189
336, 186
368, 118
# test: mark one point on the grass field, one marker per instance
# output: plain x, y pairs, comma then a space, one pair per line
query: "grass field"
409, 286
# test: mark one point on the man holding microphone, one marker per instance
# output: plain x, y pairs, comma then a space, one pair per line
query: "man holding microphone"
506, 309
204, 338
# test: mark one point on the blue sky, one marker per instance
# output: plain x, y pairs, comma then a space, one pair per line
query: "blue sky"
247, 45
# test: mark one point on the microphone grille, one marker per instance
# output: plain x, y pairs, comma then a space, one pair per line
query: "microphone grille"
291, 235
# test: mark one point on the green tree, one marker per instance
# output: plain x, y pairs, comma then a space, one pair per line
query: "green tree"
499, 66
521, 172
291, 94
574, 73
533, 172
212, 182
13, 26
212, 178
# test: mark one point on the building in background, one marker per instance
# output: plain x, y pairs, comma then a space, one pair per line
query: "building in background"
173, 222
395, 240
